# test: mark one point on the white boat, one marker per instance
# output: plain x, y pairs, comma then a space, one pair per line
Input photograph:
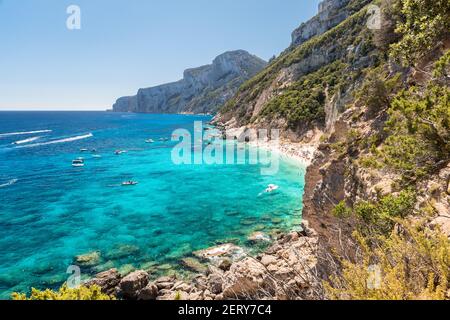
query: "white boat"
119, 152
84, 150
149, 141
78, 163
271, 188
129, 183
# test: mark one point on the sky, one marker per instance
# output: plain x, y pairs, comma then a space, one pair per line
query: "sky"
124, 45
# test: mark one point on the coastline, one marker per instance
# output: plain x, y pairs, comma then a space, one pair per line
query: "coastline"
301, 154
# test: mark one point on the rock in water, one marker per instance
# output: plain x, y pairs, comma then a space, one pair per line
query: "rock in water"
194, 265
88, 260
202, 90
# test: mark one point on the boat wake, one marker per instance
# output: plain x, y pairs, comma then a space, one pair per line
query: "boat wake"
26, 140
9, 183
23, 133
71, 139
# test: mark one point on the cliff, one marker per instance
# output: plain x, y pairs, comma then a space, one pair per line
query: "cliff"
295, 91
202, 90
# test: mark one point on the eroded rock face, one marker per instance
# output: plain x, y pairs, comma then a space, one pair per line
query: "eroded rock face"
202, 90
331, 13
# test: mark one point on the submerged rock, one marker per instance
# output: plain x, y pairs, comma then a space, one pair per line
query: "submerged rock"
104, 267
194, 265
259, 237
89, 259
214, 254
126, 269
122, 251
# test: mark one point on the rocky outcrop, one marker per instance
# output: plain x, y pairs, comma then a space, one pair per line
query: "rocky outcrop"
202, 90
287, 270
331, 13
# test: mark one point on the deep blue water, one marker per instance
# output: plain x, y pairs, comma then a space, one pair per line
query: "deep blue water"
50, 211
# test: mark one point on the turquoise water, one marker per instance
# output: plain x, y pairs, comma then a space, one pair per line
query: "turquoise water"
50, 211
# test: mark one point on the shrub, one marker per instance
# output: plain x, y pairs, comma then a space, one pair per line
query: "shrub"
423, 24
419, 127
342, 211
408, 265
65, 293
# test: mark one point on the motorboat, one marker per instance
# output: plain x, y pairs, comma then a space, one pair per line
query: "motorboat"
84, 150
119, 152
271, 188
129, 183
78, 162
149, 141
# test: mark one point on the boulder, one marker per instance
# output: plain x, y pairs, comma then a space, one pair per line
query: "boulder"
258, 237
132, 284
268, 260
215, 254
225, 264
150, 292
107, 281
215, 283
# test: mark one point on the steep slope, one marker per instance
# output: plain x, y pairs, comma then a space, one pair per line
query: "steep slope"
293, 92
202, 90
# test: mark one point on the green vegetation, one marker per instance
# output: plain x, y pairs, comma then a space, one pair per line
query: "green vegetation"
423, 25
412, 264
304, 100
398, 255
350, 33
64, 293
419, 128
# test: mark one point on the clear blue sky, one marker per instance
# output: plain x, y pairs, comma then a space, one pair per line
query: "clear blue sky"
124, 45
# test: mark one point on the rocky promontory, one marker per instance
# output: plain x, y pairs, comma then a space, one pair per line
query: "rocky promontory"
202, 90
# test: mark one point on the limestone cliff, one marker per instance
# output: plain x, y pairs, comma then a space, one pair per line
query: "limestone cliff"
202, 90
300, 89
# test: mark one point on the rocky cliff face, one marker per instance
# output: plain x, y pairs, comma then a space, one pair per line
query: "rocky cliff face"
202, 90
331, 13
302, 89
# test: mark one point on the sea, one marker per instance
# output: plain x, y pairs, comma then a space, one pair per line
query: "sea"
52, 211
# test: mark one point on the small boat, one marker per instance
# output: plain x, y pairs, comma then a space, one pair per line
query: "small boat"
119, 152
84, 150
78, 162
271, 188
129, 183
149, 141
96, 156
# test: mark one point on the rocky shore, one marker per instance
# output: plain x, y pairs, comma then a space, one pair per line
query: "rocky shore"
286, 270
